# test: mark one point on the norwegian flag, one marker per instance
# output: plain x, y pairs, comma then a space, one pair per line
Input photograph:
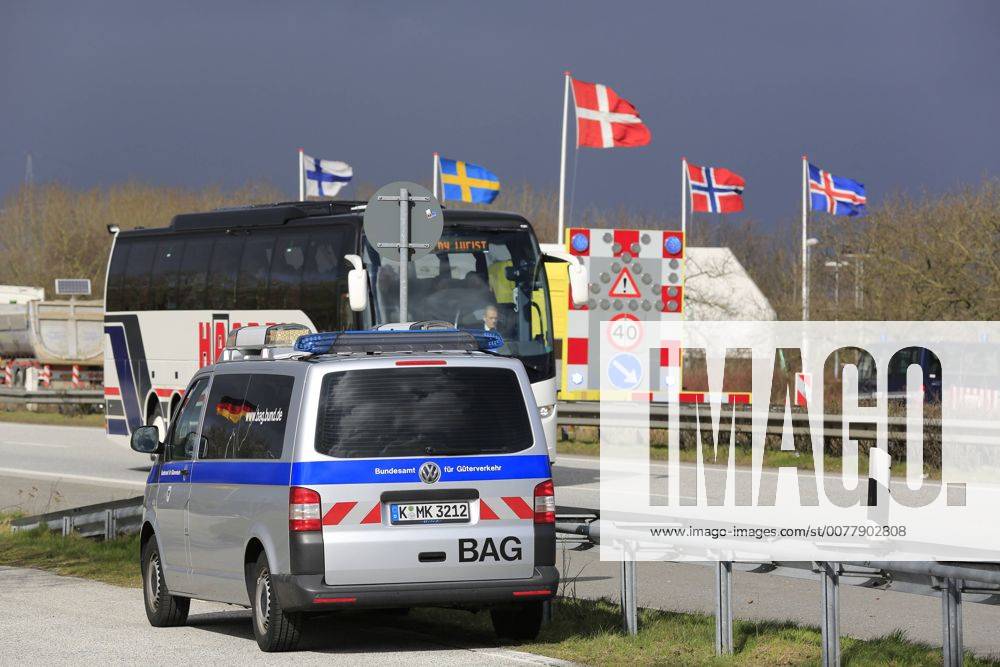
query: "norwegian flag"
715, 190
605, 120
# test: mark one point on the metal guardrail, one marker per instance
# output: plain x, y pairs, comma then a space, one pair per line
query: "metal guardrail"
103, 520
52, 396
953, 582
977, 582
588, 413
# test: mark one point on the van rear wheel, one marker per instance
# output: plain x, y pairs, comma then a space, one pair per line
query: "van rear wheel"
274, 629
162, 609
522, 621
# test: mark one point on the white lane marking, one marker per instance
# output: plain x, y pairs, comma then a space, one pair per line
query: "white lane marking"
36, 474
92, 429
31, 444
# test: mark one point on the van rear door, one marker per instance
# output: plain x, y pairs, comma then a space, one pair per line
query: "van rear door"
432, 473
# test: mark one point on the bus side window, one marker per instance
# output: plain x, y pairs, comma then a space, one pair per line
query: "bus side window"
163, 288
116, 272
221, 290
251, 287
135, 285
285, 283
193, 277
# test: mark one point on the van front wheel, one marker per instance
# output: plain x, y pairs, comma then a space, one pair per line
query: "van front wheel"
521, 622
273, 628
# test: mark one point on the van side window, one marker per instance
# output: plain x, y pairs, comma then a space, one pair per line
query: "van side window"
181, 440
262, 432
225, 411
246, 417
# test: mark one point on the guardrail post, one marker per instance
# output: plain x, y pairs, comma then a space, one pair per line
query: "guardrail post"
630, 611
723, 608
951, 621
67, 526
109, 524
830, 579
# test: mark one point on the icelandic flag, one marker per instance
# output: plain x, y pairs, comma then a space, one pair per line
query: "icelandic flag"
464, 181
325, 178
834, 194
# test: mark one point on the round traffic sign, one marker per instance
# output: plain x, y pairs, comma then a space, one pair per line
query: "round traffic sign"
382, 220
625, 332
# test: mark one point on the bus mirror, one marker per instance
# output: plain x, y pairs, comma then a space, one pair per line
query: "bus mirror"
357, 284
576, 271
578, 283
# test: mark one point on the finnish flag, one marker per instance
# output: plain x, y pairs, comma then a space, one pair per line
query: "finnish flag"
325, 178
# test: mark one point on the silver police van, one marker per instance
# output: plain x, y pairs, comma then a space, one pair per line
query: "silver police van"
370, 469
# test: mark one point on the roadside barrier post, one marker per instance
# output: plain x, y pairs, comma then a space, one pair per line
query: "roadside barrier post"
67, 526
76, 376
630, 612
830, 581
110, 529
723, 608
951, 621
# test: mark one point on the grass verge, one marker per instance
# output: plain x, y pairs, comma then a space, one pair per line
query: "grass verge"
115, 562
51, 418
584, 631
588, 632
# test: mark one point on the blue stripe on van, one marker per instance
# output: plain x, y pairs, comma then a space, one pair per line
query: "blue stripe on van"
453, 469
273, 473
363, 471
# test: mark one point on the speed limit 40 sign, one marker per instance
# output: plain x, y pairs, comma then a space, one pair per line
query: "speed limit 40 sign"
625, 332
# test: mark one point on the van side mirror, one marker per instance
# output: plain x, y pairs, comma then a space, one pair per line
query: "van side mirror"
146, 440
357, 284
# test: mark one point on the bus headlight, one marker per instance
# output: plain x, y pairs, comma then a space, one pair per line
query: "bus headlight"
545, 411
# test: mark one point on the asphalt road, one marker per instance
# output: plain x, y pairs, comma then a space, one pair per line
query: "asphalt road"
70, 466
55, 620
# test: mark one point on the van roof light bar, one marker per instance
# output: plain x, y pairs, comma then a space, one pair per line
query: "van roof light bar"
370, 342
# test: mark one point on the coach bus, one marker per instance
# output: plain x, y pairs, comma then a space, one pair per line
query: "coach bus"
173, 294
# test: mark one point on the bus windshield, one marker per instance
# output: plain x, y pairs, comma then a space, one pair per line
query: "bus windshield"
476, 279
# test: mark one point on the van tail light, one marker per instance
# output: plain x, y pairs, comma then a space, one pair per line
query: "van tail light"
545, 502
304, 513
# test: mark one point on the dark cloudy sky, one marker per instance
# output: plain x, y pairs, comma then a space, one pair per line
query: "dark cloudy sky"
901, 95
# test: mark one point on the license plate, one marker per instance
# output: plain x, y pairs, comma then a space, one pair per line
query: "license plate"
403, 513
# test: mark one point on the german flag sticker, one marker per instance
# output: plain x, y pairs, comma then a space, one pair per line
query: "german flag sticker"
233, 409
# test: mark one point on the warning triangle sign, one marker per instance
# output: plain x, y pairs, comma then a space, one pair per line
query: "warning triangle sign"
624, 286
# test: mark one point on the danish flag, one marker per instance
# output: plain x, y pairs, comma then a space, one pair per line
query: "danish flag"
715, 190
605, 120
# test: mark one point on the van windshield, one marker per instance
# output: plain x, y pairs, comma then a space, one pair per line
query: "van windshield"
422, 411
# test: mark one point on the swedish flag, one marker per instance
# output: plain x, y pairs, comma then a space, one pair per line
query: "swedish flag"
464, 181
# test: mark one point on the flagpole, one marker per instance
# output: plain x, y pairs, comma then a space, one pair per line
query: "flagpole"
302, 183
437, 170
805, 243
562, 163
684, 201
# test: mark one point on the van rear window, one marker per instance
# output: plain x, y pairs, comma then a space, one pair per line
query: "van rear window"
436, 411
